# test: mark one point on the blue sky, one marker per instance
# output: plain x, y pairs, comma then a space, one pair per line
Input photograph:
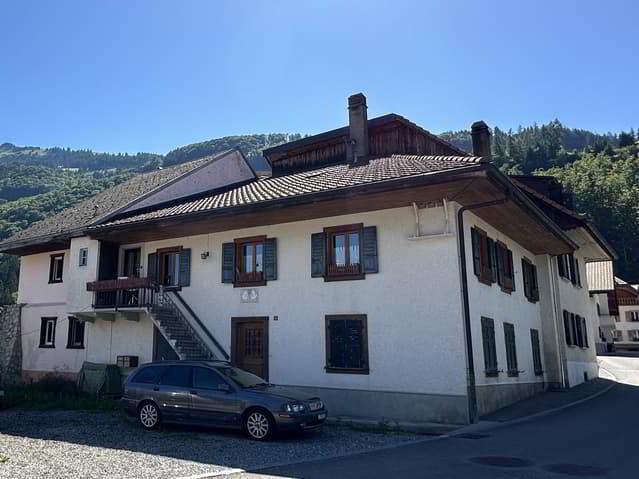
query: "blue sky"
128, 76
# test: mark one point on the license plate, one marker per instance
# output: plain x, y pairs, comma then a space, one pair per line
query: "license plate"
320, 417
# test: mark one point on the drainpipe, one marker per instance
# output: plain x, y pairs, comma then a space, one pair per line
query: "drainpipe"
470, 362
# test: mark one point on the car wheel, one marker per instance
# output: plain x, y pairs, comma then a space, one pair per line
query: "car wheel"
259, 425
149, 415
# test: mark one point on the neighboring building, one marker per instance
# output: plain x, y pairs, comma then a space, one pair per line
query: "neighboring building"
601, 284
380, 267
627, 325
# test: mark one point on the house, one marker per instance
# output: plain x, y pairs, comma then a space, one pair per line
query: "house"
601, 284
626, 332
380, 267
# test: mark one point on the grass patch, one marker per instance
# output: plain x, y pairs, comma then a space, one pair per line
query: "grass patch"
53, 392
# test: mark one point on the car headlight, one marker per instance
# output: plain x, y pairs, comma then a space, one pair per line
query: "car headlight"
294, 407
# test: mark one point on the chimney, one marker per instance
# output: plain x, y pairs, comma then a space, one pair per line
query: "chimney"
481, 140
357, 149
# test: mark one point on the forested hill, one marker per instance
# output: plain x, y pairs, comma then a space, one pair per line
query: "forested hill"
601, 170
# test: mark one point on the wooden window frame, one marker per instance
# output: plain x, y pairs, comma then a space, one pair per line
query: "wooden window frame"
54, 257
73, 321
511, 366
83, 257
239, 261
364, 336
43, 321
329, 233
161, 252
491, 368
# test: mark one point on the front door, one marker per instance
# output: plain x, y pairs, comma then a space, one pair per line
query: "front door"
249, 345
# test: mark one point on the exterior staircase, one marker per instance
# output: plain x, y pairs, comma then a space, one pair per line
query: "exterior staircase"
178, 331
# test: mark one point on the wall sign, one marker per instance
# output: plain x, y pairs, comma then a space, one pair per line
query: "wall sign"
249, 295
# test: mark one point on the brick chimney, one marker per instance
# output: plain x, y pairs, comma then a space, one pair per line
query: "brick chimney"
481, 140
357, 149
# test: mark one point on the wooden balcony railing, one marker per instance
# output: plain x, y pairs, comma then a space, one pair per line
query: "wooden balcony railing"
627, 301
122, 293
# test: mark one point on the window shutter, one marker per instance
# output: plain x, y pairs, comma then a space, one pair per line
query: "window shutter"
371, 263
228, 263
492, 252
567, 328
535, 284
43, 330
585, 332
270, 259
577, 274
185, 267
474, 236
511, 270
71, 322
318, 255
152, 267
525, 273
560, 266
501, 258
571, 268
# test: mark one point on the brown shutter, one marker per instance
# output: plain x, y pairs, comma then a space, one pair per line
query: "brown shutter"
152, 267
318, 255
228, 263
369, 241
492, 251
525, 273
270, 259
185, 267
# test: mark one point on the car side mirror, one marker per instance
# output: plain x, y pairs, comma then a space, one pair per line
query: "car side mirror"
224, 387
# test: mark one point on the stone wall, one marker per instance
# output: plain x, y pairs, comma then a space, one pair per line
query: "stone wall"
10, 345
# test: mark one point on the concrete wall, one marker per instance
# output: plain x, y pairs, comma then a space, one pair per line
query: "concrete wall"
10, 345
490, 301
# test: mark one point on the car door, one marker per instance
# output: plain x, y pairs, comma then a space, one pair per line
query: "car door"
213, 400
174, 393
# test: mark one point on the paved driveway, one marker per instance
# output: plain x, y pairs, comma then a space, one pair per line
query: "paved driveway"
597, 438
61, 444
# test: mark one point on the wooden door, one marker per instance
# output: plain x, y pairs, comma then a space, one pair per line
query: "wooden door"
249, 345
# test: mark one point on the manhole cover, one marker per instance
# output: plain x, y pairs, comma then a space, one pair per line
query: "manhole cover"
499, 461
471, 436
578, 470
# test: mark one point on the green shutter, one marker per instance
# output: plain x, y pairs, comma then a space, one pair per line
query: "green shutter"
369, 241
228, 263
270, 259
185, 267
318, 255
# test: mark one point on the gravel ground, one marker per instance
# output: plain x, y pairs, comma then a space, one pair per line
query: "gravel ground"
61, 444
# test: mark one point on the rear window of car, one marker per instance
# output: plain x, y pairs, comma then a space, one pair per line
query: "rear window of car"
148, 375
179, 376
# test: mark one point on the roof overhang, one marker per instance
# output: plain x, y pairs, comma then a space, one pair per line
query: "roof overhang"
518, 217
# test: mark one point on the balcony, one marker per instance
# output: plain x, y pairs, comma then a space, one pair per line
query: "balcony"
122, 293
627, 301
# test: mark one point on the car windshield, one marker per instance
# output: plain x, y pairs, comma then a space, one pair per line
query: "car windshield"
241, 378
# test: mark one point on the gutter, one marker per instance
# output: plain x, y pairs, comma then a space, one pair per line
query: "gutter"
470, 362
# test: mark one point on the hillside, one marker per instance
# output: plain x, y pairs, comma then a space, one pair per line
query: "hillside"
601, 170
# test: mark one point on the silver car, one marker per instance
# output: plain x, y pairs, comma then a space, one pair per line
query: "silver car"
216, 393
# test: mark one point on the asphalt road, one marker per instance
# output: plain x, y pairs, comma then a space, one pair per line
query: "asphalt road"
597, 438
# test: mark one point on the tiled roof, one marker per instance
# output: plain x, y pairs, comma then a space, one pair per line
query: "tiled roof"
600, 276
315, 181
105, 202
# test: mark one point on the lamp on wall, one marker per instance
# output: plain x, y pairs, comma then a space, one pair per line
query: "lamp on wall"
204, 255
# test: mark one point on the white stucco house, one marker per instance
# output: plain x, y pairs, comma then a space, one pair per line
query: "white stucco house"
380, 267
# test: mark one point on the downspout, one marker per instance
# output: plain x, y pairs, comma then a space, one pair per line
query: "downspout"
470, 362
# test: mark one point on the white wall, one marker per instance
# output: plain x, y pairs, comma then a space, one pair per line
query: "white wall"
78, 298
492, 302
414, 318
34, 287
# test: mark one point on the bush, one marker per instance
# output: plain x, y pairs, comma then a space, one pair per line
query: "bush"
53, 392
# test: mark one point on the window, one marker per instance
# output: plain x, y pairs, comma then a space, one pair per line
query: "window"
346, 344
584, 333
633, 335
149, 375
568, 267
169, 267
632, 316
205, 378
249, 256
55, 268
577, 332
178, 376
343, 244
83, 258
529, 273
568, 329
75, 338
511, 349
125, 362
536, 352
490, 350
47, 332
249, 261
492, 261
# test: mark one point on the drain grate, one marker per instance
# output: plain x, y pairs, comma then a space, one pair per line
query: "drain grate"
577, 470
502, 461
471, 436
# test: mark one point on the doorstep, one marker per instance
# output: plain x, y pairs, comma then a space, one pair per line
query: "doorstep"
417, 427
